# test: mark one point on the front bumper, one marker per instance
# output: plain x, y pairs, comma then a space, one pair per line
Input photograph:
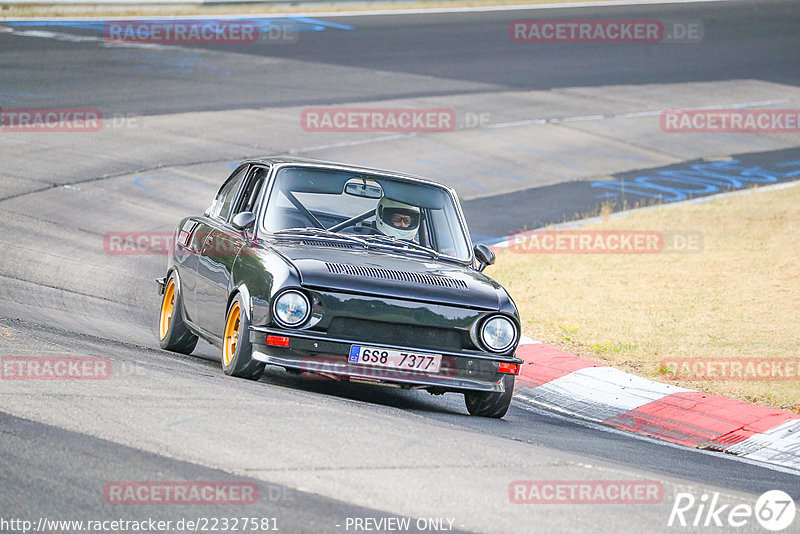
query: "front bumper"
317, 353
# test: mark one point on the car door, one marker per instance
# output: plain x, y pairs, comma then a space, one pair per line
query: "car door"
215, 257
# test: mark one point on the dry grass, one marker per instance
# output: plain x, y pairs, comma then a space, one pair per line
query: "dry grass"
738, 297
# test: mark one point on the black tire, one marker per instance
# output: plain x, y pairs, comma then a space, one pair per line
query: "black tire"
237, 359
173, 333
493, 405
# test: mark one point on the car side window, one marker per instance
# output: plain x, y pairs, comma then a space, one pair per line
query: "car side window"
252, 189
227, 194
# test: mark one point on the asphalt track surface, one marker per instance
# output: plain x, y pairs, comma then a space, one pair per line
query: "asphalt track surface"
445, 53
326, 451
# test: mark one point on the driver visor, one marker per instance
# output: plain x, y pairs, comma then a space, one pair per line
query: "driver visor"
401, 218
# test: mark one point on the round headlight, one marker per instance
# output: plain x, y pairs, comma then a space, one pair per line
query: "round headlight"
291, 309
498, 333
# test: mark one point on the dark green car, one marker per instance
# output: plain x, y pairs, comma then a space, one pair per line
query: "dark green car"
344, 272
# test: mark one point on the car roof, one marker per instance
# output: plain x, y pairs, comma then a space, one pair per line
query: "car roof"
286, 160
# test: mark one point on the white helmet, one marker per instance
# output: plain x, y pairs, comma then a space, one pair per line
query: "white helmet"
397, 219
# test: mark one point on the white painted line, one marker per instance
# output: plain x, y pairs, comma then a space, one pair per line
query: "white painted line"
71, 37
584, 118
353, 143
552, 120
58, 36
525, 340
635, 114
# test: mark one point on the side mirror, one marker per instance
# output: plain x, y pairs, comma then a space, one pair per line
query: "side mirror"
484, 255
244, 220
210, 209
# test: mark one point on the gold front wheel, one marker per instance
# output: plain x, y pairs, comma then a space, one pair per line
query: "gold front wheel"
231, 334
237, 352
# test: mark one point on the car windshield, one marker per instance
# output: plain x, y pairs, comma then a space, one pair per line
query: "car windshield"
376, 210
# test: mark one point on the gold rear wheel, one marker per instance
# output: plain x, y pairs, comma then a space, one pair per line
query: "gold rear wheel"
167, 308
173, 333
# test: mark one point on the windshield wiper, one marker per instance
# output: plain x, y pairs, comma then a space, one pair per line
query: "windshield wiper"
322, 234
366, 241
393, 241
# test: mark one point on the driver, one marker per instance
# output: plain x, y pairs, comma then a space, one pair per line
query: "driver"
397, 219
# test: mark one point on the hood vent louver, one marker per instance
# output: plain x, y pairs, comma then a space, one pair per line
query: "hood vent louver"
321, 243
400, 276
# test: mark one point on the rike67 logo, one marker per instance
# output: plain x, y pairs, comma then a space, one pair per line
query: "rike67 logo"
774, 510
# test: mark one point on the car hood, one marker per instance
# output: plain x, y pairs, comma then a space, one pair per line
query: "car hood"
389, 274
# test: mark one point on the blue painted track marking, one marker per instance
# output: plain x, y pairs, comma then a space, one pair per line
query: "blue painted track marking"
674, 185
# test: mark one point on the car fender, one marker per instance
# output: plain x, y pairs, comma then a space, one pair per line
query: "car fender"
248, 308
262, 272
178, 290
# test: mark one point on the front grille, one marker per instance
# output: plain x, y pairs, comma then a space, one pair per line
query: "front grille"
404, 335
400, 276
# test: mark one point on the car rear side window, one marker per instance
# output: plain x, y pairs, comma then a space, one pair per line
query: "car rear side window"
226, 195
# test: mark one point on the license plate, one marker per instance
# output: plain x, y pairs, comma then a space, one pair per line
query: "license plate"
396, 359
